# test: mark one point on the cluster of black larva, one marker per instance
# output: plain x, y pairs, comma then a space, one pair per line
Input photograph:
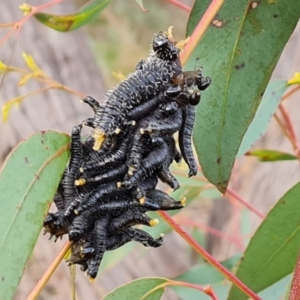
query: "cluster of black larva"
109, 183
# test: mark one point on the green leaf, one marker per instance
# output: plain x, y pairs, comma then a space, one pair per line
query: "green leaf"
71, 22
271, 155
136, 289
28, 182
263, 115
273, 250
203, 274
239, 52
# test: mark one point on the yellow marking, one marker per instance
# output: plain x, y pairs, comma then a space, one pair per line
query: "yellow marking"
295, 79
75, 211
182, 43
142, 131
169, 32
183, 201
131, 171
153, 222
162, 235
133, 123
142, 202
80, 182
91, 279
117, 131
81, 170
99, 137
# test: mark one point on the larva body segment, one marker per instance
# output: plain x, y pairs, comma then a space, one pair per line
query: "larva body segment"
185, 139
99, 244
112, 174
145, 238
128, 219
111, 158
145, 83
76, 150
149, 165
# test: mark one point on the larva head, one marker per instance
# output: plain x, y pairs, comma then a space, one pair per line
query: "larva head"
164, 48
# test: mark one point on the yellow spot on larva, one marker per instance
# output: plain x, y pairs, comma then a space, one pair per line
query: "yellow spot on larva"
80, 182
99, 137
142, 200
183, 201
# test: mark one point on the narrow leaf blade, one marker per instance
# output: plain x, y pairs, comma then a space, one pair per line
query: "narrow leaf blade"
71, 22
263, 115
137, 289
273, 250
266, 155
28, 182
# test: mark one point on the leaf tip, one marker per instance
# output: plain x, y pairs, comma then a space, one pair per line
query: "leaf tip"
222, 186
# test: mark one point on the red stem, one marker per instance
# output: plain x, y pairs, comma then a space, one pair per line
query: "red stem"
207, 289
289, 93
188, 222
248, 205
200, 29
283, 127
290, 128
208, 257
180, 5
295, 289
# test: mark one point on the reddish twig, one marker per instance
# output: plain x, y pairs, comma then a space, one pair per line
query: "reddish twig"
295, 288
185, 221
234, 225
180, 5
46, 276
200, 29
34, 9
241, 200
290, 92
290, 128
283, 128
207, 289
208, 257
